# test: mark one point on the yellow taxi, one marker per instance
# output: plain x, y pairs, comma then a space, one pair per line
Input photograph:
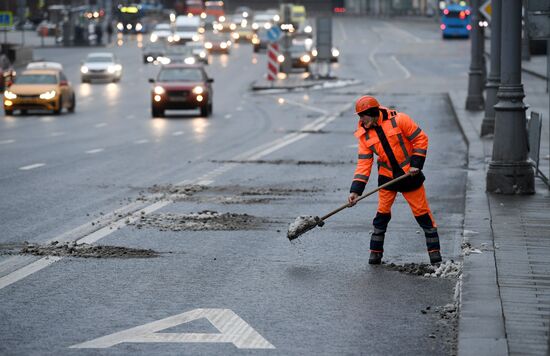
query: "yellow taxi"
40, 89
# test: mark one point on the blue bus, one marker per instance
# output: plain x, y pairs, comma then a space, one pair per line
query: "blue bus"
455, 21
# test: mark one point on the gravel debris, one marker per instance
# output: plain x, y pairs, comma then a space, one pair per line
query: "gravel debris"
73, 249
201, 221
447, 269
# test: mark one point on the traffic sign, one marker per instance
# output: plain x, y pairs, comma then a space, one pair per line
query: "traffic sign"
486, 9
274, 33
6, 19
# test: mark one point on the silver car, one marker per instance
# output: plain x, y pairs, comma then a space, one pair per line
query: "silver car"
101, 65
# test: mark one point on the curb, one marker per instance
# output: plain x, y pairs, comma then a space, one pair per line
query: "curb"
481, 329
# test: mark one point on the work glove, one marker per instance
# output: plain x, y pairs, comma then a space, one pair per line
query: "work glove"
414, 171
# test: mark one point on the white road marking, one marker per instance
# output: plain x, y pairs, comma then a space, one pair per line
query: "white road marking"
27, 270
5, 142
232, 329
32, 166
130, 116
405, 33
353, 146
239, 108
207, 179
101, 124
372, 60
228, 116
95, 150
305, 106
58, 133
140, 142
177, 133
407, 73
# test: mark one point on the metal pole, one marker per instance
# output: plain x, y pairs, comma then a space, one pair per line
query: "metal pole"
525, 49
474, 100
488, 123
509, 171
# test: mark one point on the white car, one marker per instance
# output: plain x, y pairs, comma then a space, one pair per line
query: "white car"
162, 32
101, 65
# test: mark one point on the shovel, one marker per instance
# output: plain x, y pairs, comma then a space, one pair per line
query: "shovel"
303, 224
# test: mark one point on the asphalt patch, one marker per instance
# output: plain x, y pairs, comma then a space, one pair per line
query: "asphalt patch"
201, 221
72, 249
288, 162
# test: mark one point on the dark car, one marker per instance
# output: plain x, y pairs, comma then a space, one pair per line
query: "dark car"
7, 73
180, 54
153, 51
181, 87
300, 56
217, 42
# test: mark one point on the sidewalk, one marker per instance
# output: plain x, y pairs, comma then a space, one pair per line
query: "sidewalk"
505, 293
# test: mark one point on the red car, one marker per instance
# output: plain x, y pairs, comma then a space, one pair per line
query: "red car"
7, 73
181, 87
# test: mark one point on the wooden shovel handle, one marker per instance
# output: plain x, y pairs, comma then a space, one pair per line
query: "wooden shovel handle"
365, 195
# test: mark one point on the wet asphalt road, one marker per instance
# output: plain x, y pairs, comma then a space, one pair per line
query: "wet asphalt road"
318, 296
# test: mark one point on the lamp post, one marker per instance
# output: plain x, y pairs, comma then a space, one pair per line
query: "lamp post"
509, 171
493, 81
474, 100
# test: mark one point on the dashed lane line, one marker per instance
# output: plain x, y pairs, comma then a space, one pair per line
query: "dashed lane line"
118, 222
95, 150
6, 142
57, 133
141, 142
302, 105
177, 133
101, 124
32, 166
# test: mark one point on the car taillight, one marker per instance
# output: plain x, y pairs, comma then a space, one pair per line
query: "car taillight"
469, 27
442, 26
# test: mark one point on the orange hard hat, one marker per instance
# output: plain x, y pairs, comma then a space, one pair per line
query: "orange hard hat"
365, 102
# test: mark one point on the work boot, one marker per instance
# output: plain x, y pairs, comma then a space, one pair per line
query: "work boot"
375, 258
435, 257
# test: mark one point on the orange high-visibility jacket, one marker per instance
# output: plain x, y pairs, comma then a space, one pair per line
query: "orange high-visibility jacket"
407, 141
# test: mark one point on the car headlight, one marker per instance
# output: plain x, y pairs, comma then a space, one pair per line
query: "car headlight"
120, 26
84, 69
235, 35
305, 58
255, 26
255, 40
198, 90
202, 54
164, 60
159, 90
195, 38
314, 53
221, 18
9, 95
48, 95
154, 38
129, 26
223, 45
111, 69
335, 52
267, 25
189, 60
208, 45
176, 38
232, 27
308, 29
139, 27
150, 59
118, 67
281, 58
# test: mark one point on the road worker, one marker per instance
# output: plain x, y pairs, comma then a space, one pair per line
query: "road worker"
401, 147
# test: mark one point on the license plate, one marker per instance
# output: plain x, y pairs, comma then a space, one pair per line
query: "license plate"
177, 98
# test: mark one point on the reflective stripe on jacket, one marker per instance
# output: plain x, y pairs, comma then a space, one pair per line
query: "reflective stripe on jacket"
407, 141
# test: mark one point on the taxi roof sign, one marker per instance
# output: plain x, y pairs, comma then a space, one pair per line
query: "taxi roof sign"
6, 19
486, 9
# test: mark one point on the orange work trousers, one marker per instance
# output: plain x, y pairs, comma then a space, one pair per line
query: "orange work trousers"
416, 199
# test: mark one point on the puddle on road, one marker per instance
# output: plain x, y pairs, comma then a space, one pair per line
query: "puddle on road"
71, 249
201, 221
